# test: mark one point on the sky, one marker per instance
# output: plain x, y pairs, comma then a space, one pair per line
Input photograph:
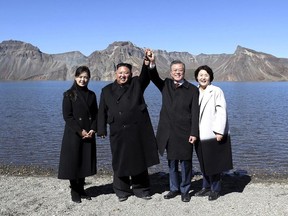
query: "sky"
203, 26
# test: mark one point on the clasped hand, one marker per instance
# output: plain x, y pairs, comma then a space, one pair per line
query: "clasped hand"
86, 135
149, 57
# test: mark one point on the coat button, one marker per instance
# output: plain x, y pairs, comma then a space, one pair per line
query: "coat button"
80, 119
120, 113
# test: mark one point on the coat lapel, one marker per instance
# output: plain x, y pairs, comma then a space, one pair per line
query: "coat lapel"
118, 91
206, 97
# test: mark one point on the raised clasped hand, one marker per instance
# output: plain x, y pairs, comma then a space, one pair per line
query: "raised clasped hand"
149, 56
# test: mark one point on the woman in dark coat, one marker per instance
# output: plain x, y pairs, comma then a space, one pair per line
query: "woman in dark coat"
78, 152
132, 139
214, 147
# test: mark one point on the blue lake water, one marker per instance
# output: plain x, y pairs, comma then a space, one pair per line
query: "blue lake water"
31, 124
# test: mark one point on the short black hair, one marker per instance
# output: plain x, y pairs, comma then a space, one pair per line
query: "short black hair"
125, 65
177, 62
207, 69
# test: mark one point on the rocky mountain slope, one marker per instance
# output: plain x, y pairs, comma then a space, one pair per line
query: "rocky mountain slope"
23, 61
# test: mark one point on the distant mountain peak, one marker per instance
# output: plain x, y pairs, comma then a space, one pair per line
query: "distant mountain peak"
17, 45
121, 43
250, 52
243, 50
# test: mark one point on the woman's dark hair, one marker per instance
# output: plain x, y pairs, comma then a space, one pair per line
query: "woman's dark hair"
129, 66
82, 69
207, 69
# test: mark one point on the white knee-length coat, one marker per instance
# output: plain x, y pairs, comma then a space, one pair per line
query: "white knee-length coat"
214, 157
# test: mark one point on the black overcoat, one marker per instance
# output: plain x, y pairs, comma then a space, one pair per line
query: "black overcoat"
132, 139
78, 156
178, 117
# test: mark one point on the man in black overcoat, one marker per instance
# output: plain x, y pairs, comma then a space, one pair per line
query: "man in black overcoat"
178, 126
132, 139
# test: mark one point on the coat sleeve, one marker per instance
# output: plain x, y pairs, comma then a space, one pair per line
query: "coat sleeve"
67, 111
195, 113
155, 78
102, 116
144, 77
220, 115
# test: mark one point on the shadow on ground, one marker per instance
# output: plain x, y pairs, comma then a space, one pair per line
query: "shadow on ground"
230, 183
95, 191
159, 181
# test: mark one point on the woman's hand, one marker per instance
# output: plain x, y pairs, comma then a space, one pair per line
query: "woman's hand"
91, 132
219, 137
86, 134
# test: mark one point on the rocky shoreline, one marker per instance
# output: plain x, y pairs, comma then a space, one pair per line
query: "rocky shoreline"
34, 170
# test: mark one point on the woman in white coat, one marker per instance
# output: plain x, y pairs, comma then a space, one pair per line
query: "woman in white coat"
214, 146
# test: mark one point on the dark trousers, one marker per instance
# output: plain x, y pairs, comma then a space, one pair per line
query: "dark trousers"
186, 175
213, 182
139, 185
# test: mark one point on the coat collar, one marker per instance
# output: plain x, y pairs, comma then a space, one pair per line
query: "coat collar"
80, 96
183, 83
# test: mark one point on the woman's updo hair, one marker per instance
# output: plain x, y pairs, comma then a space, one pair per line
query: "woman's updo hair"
82, 69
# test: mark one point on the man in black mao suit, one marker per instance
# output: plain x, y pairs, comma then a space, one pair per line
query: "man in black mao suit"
178, 126
132, 139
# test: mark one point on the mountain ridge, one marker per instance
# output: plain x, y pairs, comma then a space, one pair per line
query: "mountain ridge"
24, 61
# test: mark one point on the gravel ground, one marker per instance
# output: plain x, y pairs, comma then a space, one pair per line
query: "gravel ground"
37, 191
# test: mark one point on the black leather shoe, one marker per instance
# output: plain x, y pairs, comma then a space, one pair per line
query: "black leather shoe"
121, 199
213, 195
76, 197
203, 192
171, 194
147, 197
185, 197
